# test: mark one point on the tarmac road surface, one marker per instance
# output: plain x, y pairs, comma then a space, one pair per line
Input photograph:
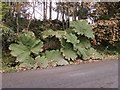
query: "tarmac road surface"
103, 74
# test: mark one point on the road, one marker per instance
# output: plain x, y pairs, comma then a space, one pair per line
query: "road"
103, 74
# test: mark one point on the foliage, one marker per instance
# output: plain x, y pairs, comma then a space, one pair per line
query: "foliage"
107, 10
41, 43
31, 52
8, 34
59, 34
82, 28
7, 59
81, 51
51, 33
68, 51
27, 45
107, 36
8, 37
8, 69
107, 31
106, 28
75, 39
84, 42
83, 47
48, 33
71, 38
93, 54
42, 60
88, 53
3, 9
56, 57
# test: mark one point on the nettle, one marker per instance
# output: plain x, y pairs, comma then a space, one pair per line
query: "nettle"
74, 44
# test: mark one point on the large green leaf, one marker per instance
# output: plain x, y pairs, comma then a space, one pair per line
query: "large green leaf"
37, 48
81, 51
29, 60
84, 42
60, 34
42, 60
26, 65
17, 49
27, 40
48, 33
82, 28
56, 57
31, 43
68, 51
92, 53
71, 38
21, 52
27, 44
65, 44
23, 56
62, 62
87, 53
29, 33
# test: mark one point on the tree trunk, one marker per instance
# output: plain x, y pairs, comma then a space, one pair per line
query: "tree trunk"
80, 8
63, 21
68, 21
57, 11
79, 14
75, 12
50, 11
44, 11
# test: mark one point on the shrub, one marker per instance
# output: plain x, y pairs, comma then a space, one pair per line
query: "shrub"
74, 43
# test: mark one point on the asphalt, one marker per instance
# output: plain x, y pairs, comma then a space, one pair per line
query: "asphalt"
103, 74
